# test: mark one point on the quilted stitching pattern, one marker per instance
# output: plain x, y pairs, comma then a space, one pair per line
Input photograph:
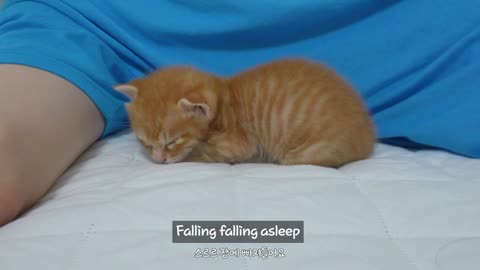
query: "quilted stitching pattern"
113, 209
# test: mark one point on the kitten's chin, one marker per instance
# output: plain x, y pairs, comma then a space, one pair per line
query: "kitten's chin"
179, 157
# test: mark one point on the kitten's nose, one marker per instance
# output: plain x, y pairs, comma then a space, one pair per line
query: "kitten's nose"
158, 156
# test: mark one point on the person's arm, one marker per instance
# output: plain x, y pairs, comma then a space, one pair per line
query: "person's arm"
45, 124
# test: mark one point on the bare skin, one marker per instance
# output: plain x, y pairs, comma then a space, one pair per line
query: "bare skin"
45, 124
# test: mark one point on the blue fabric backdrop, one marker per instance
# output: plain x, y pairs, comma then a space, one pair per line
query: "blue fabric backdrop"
416, 63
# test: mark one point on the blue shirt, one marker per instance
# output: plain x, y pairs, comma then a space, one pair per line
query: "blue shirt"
415, 62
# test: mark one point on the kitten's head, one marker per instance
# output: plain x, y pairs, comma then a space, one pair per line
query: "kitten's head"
170, 110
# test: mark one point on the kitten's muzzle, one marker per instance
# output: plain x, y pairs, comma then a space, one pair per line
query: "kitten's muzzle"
158, 155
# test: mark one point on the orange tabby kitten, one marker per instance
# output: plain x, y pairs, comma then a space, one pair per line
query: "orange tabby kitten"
287, 112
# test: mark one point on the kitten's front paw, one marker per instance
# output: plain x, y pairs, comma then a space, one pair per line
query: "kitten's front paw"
193, 159
195, 156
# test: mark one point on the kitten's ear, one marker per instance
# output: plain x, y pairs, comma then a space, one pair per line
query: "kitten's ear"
127, 89
196, 109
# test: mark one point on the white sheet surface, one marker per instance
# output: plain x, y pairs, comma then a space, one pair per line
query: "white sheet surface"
113, 210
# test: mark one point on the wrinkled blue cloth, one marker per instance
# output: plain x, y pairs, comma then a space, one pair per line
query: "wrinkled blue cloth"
416, 63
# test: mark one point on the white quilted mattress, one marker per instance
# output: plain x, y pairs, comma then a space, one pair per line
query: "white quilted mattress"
114, 209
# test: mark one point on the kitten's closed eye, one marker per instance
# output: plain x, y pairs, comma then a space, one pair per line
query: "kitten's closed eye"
174, 142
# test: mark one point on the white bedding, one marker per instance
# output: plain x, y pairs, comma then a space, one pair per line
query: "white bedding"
113, 210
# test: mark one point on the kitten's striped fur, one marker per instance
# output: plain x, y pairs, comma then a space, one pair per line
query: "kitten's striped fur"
288, 112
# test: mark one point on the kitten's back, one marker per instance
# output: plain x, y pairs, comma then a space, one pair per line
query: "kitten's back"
302, 112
